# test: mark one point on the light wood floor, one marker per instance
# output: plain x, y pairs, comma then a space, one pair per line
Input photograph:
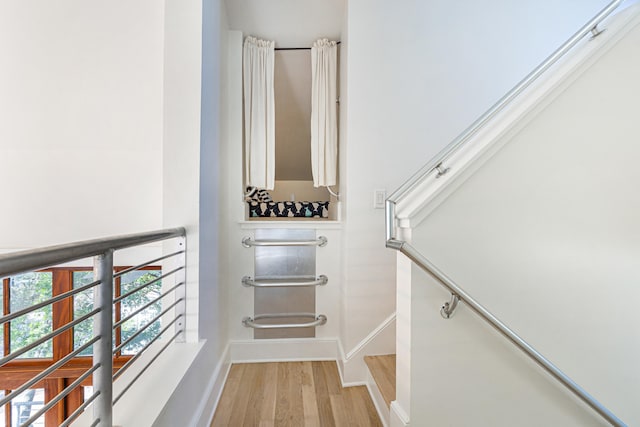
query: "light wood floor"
383, 371
292, 394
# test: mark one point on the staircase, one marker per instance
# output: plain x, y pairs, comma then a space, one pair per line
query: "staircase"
381, 382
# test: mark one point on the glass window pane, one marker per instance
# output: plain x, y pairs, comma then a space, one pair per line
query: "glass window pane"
130, 304
28, 289
83, 304
25, 405
2, 326
2, 414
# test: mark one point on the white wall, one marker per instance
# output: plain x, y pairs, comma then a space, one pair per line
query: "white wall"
195, 49
181, 144
80, 120
545, 235
418, 74
405, 93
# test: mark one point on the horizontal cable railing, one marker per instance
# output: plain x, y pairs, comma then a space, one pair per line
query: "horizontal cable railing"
140, 309
436, 165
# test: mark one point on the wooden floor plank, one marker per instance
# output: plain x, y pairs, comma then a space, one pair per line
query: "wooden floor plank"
332, 377
383, 371
243, 394
352, 417
296, 406
367, 414
225, 405
268, 410
309, 403
292, 394
282, 401
338, 410
322, 395
256, 395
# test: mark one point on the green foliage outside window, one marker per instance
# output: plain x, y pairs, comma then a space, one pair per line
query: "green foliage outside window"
83, 304
132, 281
26, 290
31, 288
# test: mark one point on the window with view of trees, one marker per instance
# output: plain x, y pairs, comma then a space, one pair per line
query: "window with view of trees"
24, 290
131, 281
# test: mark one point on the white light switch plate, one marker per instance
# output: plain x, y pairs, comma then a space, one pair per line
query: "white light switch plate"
379, 197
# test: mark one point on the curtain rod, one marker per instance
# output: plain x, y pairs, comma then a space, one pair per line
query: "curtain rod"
296, 48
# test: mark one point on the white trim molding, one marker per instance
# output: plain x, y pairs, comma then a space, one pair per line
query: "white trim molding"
399, 418
203, 416
372, 335
378, 400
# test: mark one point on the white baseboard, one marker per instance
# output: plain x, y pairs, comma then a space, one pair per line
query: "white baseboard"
378, 400
343, 368
203, 416
398, 416
283, 350
382, 340
389, 321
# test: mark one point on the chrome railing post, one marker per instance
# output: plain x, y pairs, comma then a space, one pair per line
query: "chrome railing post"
181, 291
103, 328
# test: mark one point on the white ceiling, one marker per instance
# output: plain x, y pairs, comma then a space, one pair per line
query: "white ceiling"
291, 23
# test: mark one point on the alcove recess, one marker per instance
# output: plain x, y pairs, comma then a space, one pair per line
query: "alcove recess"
293, 179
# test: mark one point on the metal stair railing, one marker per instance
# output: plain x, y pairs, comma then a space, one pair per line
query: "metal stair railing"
437, 166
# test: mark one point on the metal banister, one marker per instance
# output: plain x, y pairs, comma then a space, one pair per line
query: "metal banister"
16, 314
589, 28
147, 305
80, 409
42, 375
394, 241
147, 284
153, 359
134, 358
145, 327
145, 264
431, 269
101, 250
61, 395
35, 259
47, 337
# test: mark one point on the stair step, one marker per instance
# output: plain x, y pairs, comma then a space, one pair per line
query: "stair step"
383, 371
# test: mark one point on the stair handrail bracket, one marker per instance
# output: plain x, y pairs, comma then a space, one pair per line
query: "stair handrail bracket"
462, 296
407, 205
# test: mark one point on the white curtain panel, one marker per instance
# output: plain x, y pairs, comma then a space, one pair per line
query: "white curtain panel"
324, 128
259, 113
